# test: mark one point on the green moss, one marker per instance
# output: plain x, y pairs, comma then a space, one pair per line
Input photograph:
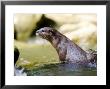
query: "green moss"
35, 55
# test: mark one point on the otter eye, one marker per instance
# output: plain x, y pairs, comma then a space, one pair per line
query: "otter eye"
43, 31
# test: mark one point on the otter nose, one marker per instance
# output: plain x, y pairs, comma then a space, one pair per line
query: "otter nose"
37, 32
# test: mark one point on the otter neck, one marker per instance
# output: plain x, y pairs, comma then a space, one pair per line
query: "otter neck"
55, 41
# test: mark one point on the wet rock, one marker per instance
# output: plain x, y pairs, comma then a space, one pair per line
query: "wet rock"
19, 71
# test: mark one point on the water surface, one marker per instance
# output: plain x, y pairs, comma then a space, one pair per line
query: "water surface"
59, 69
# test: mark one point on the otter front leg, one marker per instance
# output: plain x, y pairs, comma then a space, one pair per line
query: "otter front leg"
62, 55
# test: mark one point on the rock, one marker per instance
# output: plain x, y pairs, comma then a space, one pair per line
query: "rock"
62, 19
90, 18
19, 71
68, 28
73, 27
85, 36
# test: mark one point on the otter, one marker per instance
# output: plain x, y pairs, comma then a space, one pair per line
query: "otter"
67, 50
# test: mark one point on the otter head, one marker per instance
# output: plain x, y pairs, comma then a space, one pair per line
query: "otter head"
46, 32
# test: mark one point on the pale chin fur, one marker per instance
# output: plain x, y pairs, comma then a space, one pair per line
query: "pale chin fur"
37, 34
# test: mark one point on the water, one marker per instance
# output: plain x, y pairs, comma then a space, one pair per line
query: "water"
59, 69
34, 55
